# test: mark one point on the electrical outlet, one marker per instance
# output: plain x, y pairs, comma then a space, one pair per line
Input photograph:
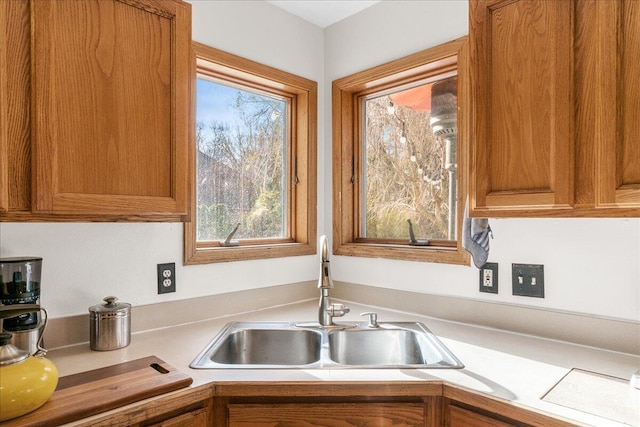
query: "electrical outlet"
528, 280
166, 278
489, 278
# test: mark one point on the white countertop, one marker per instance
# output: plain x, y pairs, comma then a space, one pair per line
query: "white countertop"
514, 367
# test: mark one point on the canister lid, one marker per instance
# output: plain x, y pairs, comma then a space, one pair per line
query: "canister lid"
19, 260
111, 305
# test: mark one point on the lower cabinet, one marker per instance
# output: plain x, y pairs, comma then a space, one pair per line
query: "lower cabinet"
460, 417
367, 404
326, 404
327, 414
196, 418
466, 408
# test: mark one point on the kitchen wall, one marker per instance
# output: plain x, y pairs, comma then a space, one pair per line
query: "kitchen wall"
591, 265
85, 262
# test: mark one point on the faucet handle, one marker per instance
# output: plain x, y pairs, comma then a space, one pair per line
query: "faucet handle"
373, 319
337, 310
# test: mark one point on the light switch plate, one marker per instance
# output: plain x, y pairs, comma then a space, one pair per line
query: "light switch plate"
528, 280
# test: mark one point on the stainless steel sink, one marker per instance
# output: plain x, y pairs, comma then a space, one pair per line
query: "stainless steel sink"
268, 347
392, 344
281, 345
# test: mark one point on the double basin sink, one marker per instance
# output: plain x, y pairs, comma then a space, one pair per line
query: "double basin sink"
281, 345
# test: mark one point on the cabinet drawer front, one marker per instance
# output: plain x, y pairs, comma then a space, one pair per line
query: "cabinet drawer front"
327, 414
458, 417
197, 418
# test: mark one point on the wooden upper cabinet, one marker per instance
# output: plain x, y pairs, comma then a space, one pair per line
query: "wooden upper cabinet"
15, 132
609, 42
556, 108
110, 118
521, 80
626, 148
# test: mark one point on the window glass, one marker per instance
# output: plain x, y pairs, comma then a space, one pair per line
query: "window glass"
409, 163
241, 153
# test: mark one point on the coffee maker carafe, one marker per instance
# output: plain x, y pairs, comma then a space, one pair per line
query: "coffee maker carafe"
20, 288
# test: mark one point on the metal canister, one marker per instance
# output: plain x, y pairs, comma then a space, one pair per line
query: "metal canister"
110, 325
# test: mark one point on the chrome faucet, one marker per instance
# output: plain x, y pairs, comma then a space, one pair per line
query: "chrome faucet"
326, 310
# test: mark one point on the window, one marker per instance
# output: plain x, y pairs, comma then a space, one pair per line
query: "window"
399, 154
255, 161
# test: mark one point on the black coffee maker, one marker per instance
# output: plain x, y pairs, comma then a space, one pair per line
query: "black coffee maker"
20, 286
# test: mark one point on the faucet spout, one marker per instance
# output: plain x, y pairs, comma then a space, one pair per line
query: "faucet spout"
326, 310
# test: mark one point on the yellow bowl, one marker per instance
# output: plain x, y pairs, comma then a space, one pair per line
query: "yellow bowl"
25, 386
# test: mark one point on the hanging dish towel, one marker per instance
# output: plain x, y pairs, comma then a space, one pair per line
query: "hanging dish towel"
475, 237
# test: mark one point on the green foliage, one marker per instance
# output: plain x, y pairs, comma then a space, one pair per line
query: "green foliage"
213, 221
266, 215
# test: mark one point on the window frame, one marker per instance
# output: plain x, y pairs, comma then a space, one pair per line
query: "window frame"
301, 162
347, 130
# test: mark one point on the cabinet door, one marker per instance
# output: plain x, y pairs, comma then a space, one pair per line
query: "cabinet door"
15, 137
197, 418
522, 141
110, 84
327, 414
458, 417
618, 152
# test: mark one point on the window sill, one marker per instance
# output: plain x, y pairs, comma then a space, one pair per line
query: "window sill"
208, 255
443, 255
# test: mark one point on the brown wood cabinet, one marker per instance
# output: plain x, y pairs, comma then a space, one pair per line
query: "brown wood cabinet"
97, 121
322, 403
464, 408
460, 417
327, 414
328, 404
607, 63
555, 108
195, 418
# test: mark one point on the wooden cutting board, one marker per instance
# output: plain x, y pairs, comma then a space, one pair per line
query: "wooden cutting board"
89, 393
